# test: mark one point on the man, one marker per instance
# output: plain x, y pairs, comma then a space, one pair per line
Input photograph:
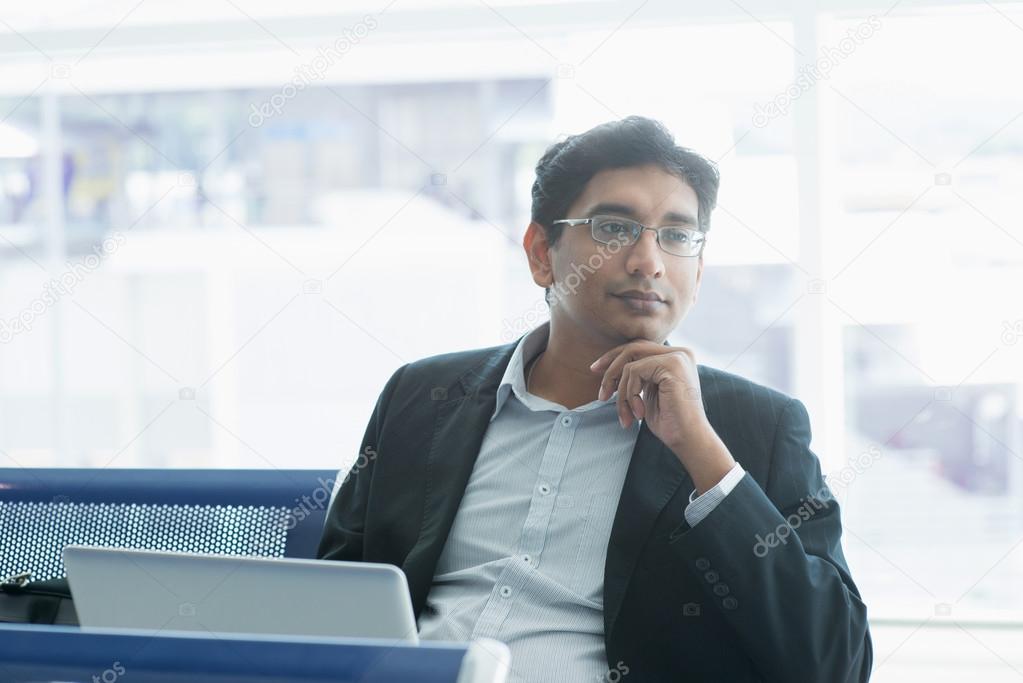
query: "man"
591, 495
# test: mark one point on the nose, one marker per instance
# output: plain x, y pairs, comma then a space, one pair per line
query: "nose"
644, 257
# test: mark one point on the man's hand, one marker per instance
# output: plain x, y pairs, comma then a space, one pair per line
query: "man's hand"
660, 384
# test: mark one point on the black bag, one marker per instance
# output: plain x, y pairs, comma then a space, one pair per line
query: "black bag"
36, 602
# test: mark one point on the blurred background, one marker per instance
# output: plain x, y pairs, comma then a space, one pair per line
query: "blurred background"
224, 224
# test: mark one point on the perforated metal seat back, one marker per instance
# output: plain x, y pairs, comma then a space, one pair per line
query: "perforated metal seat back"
35, 533
265, 513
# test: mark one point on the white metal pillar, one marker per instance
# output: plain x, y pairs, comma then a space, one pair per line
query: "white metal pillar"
819, 379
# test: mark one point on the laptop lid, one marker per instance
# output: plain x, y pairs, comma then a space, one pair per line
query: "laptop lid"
157, 590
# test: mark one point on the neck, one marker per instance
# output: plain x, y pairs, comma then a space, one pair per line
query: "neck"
562, 373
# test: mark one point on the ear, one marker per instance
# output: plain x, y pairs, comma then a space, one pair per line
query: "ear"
538, 253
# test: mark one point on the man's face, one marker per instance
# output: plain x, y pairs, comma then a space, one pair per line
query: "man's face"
654, 197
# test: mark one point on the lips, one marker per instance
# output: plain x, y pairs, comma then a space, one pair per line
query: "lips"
642, 303
642, 296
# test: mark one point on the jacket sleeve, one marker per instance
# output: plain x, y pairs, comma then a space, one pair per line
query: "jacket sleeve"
771, 561
345, 523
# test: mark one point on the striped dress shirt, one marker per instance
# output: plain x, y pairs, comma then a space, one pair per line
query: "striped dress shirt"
524, 561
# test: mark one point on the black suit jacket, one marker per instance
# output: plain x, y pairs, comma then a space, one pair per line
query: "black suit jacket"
724, 601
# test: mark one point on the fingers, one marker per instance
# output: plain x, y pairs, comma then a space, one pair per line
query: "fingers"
624, 412
615, 364
612, 362
629, 402
622, 372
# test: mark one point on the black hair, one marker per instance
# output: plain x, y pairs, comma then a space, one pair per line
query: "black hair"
567, 166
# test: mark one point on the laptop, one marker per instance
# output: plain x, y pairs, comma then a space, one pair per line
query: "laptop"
221, 594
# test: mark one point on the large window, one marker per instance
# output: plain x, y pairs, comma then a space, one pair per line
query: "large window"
261, 252
925, 258
216, 247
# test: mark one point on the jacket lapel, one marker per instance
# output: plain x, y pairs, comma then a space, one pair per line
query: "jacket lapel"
653, 477
459, 427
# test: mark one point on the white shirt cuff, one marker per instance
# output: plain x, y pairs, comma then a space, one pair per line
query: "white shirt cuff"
702, 506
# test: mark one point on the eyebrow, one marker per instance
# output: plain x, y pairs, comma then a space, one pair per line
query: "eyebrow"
672, 217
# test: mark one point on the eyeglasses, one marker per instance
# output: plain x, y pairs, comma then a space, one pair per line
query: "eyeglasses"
677, 240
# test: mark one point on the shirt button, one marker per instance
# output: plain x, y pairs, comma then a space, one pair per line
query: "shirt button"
566, 420
544, 489
711, 577
527, 559
506, 591
720, 589
729, 603
702, 563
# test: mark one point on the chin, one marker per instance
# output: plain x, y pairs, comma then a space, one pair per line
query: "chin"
640, 328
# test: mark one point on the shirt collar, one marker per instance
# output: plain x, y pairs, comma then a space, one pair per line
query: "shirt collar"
514, 379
